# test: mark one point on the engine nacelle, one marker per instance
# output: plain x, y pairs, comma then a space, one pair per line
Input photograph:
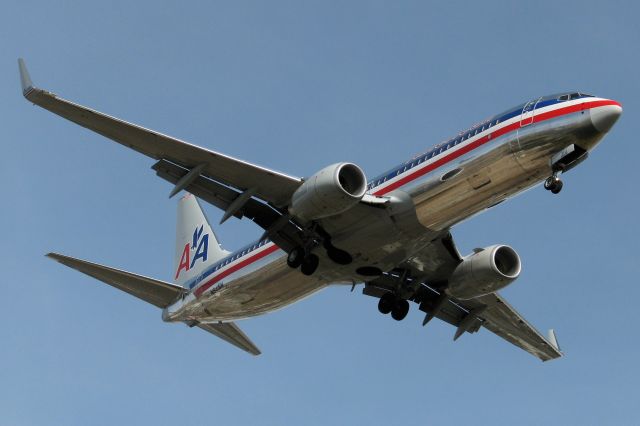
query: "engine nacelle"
331, 191
484, 272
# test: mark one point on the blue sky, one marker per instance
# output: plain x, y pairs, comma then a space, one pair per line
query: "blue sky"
296, 86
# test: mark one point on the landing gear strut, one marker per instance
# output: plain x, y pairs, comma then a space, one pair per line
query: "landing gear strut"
553, 184
337, 255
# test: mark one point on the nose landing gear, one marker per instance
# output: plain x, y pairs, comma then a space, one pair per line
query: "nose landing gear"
553, 184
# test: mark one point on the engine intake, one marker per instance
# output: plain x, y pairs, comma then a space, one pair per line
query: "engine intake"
485, 271
331, 191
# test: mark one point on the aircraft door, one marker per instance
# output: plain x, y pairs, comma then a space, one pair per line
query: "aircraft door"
528, 111
519, 144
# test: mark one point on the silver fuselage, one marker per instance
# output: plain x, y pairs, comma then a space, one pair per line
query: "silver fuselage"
427, 195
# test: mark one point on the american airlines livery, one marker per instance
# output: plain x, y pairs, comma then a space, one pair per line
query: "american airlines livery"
391, 233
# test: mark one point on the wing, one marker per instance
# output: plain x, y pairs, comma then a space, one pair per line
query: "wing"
156, 292
280, 229
430, 269
271, 186
502, 319
231, 333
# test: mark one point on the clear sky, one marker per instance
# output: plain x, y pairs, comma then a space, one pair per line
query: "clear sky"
296, 86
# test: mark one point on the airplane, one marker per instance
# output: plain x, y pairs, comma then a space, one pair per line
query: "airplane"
391, 233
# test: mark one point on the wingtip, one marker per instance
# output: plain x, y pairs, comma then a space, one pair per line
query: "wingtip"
553, 340
25, 78
53, 256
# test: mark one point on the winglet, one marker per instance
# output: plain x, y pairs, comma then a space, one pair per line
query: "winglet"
25, 79
553, 340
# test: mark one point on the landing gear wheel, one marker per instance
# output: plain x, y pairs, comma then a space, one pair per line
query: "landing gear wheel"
553, 184
340, 257
310, 264
386, 303
295, 257
400, 310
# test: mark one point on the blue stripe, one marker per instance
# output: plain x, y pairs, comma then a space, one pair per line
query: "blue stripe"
462, 136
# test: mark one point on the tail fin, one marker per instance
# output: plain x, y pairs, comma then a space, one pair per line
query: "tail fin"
196, 244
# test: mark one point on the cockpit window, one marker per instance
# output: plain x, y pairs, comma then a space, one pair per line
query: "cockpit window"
563, 98
574, 96
585, 95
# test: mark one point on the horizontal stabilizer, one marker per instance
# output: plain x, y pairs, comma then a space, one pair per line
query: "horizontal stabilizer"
231, 333
158, 293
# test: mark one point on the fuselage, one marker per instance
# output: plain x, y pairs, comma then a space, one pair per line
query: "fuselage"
456, 179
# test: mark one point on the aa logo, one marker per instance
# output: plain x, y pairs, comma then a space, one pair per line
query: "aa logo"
198, 246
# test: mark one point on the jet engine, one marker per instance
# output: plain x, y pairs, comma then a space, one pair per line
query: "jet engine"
331, 191
485, 271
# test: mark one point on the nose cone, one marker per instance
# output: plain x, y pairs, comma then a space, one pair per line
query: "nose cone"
604, 117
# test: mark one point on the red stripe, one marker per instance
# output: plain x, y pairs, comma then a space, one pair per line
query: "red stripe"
234, 268
481, 141
412, 176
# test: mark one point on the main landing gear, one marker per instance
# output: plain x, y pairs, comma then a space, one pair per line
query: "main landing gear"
553, 184
308, 262
390, 303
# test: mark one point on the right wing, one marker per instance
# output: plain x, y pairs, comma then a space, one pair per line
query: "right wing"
271, 186
437, 262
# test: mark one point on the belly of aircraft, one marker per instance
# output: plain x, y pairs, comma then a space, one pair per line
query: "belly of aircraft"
495, 172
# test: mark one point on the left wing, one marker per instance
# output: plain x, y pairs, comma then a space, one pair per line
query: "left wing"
431, 268
271, 186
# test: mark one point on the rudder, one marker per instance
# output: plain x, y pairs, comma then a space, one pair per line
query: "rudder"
196, 244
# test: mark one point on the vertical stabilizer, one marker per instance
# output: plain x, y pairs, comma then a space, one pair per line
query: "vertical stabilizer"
196, 244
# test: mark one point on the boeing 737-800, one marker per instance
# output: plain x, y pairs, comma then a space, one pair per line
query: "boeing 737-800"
391, 233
